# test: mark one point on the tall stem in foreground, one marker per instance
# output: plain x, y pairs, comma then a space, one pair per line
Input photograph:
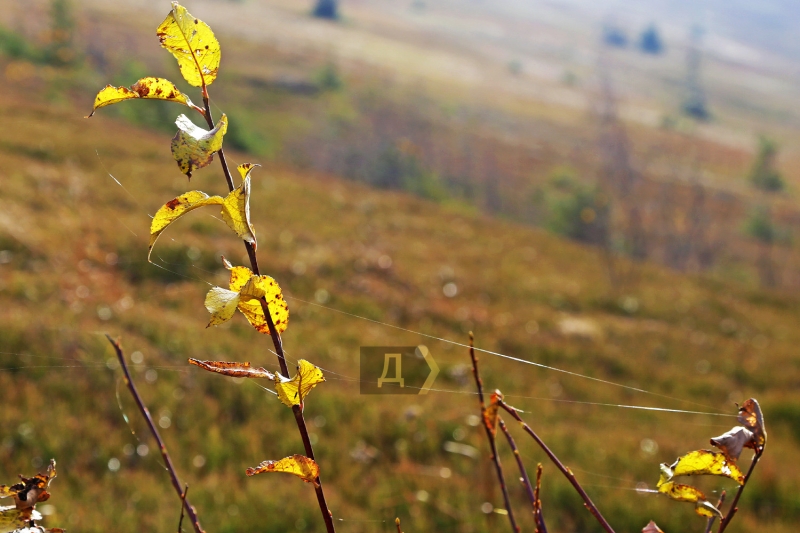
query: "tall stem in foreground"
276, 339
173, 475
492, 444
732, 511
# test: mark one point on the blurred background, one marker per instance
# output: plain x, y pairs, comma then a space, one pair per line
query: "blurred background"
608, 188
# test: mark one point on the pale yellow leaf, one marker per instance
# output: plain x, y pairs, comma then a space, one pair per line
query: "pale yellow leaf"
13, 519
194, 147
222, 304
192, 43
151, 88
298, 465
293, 391
236, 208
176, 208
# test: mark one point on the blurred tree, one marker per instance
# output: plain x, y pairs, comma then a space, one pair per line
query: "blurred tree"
61, 50
763, 175
614, 36
694, 104
326, 9
761, 227
650, 41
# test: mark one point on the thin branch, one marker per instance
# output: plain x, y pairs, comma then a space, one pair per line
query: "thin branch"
397, 523
526, 482
146, 414
732, 511
711, 519
537, 512
183, 507
564, 470
492, 444
277, 343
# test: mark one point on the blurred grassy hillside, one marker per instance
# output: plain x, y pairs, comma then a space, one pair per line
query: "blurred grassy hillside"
74, 266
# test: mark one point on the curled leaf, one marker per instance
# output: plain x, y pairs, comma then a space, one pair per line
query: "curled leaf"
652, 527
251, 308
222, 304
176, 208
194, 147
236, 209
30, 491
750, 417
298, 465
151, 88
732, 442
236, 370
706, 462
192, 43
293, 391
687, 493
490, 413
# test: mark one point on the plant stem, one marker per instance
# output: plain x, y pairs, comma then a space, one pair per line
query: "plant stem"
710, 522
492, 444
183, 507
564, 470
732, 511
278, 344
526, 482
537, 511
164, 453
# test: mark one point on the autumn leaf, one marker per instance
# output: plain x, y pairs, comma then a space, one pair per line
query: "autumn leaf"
194, 147
236, 370
150, 88
298, 465
13, 519
236, 208
750, 417
30, 491
192, 43
251, 307
176, 208
490, 413
687, 493
293, 391
652, 527
732, 442
706, 462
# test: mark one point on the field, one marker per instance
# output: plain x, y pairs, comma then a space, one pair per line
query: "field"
355, 260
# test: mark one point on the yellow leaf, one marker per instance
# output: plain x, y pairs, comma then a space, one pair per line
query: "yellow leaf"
293, 391
298, 465
176, 208
152, 88
705, 462
236, 208
237, 370
687, 493
750, 417
193, 147
13, 519
222, 304
192, 43
732, 442
251, 308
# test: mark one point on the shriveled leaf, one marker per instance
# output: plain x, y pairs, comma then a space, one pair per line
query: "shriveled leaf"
490, 413
687, 493
233, 369
706, 462
293, 391
151, 88
750, 417
278, 308
192, 43
707, 509
13, 519
176, 208
732, 442
298, 465
236, 209
222, 304
194, 147
652, 527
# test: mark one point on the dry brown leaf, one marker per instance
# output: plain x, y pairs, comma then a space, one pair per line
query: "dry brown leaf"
750, 417
233, 369
732, 442
490, 413
652, 527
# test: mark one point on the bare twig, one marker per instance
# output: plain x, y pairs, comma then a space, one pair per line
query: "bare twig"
276, 341
526, 482
711, 519
183, 507
492, 444
146, 414
537, 508
732, 511
397, 523
564, 470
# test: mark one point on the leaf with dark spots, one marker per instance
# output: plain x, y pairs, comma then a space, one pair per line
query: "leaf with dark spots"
147, 88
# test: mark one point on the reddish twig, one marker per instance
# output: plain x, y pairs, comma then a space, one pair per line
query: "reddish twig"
537, 507
183, 507
564, 470
526, 482
492, 444
711, 519
732, 511
397, 523
146, 414
276, 341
